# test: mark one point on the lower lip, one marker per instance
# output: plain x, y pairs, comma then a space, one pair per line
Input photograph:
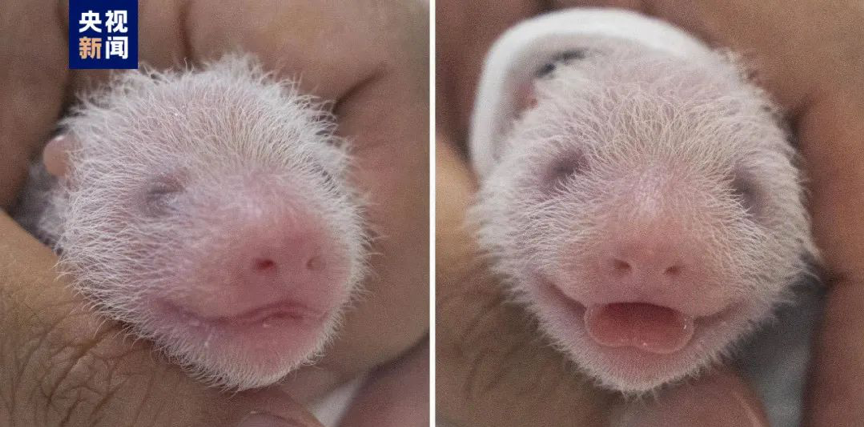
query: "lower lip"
284, 311
280, 328
287, 311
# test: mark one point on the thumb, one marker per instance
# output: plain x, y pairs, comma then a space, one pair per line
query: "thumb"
260, 408
718, 399
61, 363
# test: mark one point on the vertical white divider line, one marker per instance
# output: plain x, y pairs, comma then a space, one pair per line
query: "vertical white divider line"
432, 207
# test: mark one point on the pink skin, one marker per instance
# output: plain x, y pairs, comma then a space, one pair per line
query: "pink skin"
54, 155
647, 211
274, 292
270, 298
210, 211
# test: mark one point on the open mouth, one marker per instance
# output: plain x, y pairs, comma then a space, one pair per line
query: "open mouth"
648, 328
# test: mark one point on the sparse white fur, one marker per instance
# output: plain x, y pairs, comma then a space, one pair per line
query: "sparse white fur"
518, 53
233, 132
661, 129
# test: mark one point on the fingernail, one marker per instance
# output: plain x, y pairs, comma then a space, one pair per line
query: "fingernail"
265, 420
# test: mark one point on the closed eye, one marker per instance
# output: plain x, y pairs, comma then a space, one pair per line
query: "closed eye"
161, 194
746, 193
563, 170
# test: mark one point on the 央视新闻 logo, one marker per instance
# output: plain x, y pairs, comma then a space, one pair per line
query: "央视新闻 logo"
103, 34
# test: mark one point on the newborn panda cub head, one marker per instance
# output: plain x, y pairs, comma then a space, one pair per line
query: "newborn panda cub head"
646, 208
210, 211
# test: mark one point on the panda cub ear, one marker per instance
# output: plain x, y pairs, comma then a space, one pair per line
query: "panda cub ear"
55, 155
526, 94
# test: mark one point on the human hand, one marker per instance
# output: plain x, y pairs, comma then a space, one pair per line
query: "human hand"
491, 370
808, 57
59, 363
370, 57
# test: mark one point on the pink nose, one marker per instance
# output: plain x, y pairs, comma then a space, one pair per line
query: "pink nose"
285, 262
645, 269
676, 273
644, 261
258, 264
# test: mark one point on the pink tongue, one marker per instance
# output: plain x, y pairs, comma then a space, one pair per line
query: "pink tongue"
647, 327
